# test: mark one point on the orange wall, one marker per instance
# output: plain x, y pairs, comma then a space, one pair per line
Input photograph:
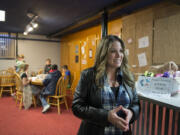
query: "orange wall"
82, 45
114, 27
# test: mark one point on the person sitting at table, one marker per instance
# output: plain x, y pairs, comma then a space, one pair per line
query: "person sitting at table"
20, 62
47, 67
67, 74
28, 90
50, 86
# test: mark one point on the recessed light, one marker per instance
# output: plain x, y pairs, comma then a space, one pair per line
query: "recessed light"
2, 15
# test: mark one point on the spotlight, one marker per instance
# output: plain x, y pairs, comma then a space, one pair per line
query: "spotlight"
29, 28
35, 25
25, 33
32, 24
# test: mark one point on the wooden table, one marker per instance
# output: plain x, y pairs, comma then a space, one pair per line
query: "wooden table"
37, 82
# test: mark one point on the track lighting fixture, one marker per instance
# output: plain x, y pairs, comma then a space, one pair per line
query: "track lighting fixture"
32, 24
35, 25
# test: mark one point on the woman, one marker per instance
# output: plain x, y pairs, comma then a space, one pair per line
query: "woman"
28, 90
105, 97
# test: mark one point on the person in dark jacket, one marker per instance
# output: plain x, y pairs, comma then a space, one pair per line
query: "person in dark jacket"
50, 86
105, 98
47, 67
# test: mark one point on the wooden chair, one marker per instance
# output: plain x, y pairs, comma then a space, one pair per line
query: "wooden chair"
60, 94
19, 92
70, 91
11, 70
6, 81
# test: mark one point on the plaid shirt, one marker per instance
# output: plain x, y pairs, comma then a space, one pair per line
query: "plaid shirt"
109, 102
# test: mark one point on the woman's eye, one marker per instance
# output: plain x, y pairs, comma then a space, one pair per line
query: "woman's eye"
113, 51
121, 51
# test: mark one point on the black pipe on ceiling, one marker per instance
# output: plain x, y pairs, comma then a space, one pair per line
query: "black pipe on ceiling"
104, 24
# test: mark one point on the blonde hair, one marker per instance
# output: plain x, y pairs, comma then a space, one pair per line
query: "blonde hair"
101, 61
21, 56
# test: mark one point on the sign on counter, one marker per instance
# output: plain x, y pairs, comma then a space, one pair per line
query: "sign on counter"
156, 86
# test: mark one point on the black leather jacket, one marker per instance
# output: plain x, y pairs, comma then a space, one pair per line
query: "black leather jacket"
87, 105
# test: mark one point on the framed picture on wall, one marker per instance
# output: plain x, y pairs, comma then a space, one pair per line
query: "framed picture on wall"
90, 53
76, 59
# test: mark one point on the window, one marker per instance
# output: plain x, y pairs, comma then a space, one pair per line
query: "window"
7, 46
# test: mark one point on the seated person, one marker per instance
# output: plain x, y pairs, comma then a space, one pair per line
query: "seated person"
47, 67
20, 62
50, 86
28, 90
67, 74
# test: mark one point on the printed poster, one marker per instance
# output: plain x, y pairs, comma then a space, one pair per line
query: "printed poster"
143, 42
142, 59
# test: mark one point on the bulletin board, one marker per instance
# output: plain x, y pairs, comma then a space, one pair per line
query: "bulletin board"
167, 39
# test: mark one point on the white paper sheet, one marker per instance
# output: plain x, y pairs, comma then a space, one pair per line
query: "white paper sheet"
82, 50
84, 62
93, 42
142, 59
134, 66
85, 44
129, 40
90, 53
143, 42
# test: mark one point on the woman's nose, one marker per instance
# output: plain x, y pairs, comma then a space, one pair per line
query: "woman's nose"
118, 54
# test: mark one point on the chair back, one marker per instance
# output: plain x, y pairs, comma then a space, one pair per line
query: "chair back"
18, 82
73, 85
3, 72
61, 87
58, 85
11, 70
6, 78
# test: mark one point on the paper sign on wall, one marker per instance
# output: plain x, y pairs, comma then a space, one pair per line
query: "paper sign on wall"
84, 62
76, 49
82, 50
93, 42
129, 40
133, 66
85, 44
127, 52
143, 42
90, 53
142, 59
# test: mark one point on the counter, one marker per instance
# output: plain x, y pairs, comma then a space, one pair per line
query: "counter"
159, 116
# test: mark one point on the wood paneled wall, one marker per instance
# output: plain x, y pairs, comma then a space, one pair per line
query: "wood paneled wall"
78, 50
115, 27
